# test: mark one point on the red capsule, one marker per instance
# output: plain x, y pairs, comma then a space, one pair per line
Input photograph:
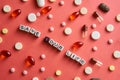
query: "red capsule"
30, 61
5, 54
84, 31
16, 13
77, 45
45, 10
74, 15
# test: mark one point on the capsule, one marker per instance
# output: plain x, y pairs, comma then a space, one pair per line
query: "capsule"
16, 13
84, 31
74, 15
97, 15
5, 54
96, 62
45, 10
77, 45
30, 61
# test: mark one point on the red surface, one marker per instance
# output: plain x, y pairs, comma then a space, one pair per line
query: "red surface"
54, 59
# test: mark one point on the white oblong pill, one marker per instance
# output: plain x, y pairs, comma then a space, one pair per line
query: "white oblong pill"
109, 27
116, 54
88, 70
83, 11
6, 8
12, 70
32, 17
24, 0
41, 3
77, 2
35, 78
95, 35
118, 17
18, 46
67, 31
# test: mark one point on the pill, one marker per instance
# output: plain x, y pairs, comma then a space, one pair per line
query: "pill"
67, 31
50, 16
38, 14
103, 7
12, 70
16, 13
6, 8
111, 68
24, 0
58, 72
61, 3
118, 18
77, 2
25, 72
88, 70
4, 31
41, 3
52, 1
35, 78
18, 45
77, 78
31, 17
83, 11
95, 35
116, 54
1, 40
94, 48
43, 56
51, 29
93, 26
50, 78
42, 69
110, 41
63, 24
95, 79
109, 27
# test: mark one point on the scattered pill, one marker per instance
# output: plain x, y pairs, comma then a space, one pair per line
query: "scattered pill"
42, 69
30, 61
61, 3
77, 2
38, 14
88, 70
4, 31
40, 3
43, 56
24, 0
50, 78
95, 35
103, 7
31, 17
6, 8
52, 1
111, 68
67, 31
77, 78
51, 29
12, 70
35, 78
45, 10
50, 16
63, 24
16, 13
83, 11
25, 72
94, 48
58, 72
1, 40
97, 16
116, 54
109, 27
18, 46
110, 41
93, 26
84, 31
96, 62
118, 18
77, 45
5, 54
95, 79
74, 15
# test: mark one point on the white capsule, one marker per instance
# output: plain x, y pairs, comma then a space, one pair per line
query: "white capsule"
41, 3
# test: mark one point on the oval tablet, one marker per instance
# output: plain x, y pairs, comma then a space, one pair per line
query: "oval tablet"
6, 8
32, 17
116, 54
95, 35
41, 3
67, 31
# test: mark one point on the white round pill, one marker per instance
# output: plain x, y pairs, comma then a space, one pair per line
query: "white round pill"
109, 27
116, 54
43, 56
35, 78
32, 17
83, 11
61, 3
18, 46
77, 78
50, 16
25, 72
42, 69
12, 70
1, 39
88, 70
6, 8
93, 26
77, 2
94, 48
24, 0
63, 24
51, 29
52, 1
38, 14
110, 41
67, 31
95, 35
118, 17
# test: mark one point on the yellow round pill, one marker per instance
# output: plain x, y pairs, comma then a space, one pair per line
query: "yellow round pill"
77, 78
4, 30
58, 72
1, 40
112, 68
